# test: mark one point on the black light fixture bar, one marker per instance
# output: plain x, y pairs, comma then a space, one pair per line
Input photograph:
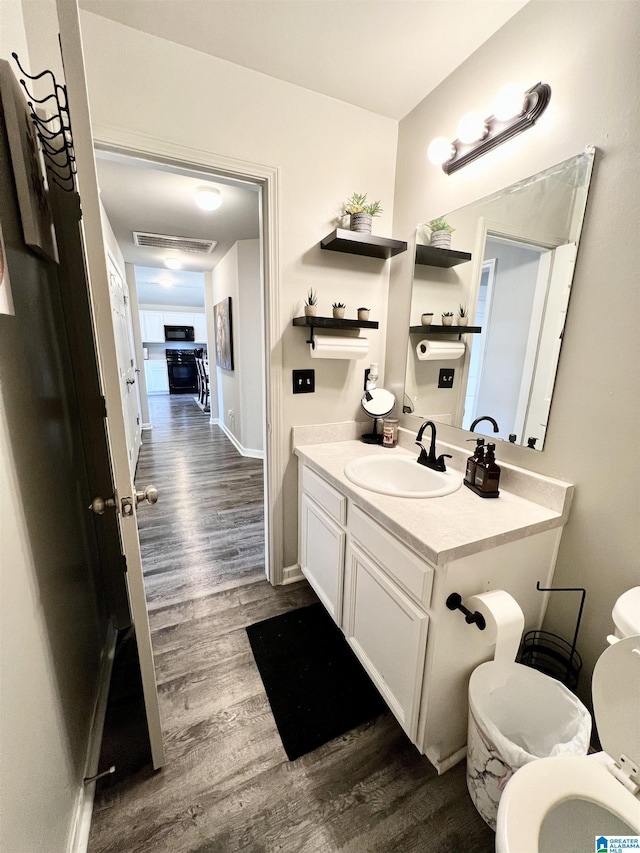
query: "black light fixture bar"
537, 100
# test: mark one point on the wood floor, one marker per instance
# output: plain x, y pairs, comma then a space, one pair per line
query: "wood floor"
228, 785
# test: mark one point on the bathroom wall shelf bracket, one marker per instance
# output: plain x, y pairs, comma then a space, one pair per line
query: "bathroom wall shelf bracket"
331, 323
362, 243
431, 256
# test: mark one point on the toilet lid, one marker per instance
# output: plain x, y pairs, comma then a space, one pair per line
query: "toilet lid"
626, 612
616, 699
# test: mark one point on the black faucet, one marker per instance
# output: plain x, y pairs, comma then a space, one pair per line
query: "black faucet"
429, 458
496, 428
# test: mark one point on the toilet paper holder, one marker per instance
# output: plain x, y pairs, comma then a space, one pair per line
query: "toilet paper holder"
454, 602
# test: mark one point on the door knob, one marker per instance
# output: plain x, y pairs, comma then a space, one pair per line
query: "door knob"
98, 505
150, 495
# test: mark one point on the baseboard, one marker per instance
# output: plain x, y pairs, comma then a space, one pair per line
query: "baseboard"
292, 574
79, 838
244, 451
444, 764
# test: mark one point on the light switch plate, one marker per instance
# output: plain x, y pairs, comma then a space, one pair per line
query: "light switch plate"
304, 381
445, 377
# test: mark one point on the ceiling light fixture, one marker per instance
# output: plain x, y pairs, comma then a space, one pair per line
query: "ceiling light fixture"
208, 198
513, 112
173, 263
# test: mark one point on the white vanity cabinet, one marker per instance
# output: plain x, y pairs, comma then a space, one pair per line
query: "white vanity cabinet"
322, 540
390, 600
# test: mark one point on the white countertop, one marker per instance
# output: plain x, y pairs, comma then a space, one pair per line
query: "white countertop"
444, 528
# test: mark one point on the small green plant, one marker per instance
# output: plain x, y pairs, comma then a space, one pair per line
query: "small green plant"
339, 305
312, 298
447, 313
358, 204
439, 224
463, 311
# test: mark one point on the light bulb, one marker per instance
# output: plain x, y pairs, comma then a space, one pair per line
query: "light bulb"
471, 128
440, 150
208, 198
173, 263
509, 102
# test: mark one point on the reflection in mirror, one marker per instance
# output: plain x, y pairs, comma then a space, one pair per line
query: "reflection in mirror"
523, 242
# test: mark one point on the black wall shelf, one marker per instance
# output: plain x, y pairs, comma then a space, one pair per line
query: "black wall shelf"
332, 323
446, 330
431, 256
362, 243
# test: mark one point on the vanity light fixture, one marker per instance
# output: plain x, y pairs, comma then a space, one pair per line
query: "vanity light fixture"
173, 263
208, 198
513, 112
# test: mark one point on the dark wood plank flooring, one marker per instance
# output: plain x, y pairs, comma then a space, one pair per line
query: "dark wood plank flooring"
228, 785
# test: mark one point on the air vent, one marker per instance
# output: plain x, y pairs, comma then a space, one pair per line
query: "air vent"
180, 244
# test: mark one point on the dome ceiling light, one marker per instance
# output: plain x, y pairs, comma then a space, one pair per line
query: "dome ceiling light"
208, 198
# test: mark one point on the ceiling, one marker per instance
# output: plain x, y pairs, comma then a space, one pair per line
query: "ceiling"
381, 55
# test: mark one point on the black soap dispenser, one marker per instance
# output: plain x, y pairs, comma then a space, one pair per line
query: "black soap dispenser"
472, 462
487, 477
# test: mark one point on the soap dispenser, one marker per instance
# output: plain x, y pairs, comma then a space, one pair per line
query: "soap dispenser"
472, 462
487, 477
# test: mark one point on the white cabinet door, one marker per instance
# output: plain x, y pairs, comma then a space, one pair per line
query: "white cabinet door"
155, 373
322, 556
200, 325
388, 633
177, 318
152, 327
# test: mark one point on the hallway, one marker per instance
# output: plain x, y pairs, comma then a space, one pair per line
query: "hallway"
228, 785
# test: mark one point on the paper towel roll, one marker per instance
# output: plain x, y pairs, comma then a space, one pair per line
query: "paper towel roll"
439, 350
505, 622
339, 347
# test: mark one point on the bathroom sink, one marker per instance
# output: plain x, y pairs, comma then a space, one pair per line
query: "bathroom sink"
401, 476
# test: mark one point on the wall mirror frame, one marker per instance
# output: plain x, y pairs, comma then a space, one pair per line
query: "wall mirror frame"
523, 242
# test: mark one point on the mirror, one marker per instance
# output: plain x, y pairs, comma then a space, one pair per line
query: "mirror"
523, 242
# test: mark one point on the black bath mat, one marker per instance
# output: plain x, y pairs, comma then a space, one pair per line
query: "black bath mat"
315, 684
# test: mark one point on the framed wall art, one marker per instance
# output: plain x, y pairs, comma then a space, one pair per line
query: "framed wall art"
224, 335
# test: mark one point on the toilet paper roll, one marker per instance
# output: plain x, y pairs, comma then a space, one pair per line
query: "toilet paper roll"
339, 347
505, 623
439, 350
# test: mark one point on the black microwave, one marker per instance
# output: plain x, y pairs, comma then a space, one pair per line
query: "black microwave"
179, 333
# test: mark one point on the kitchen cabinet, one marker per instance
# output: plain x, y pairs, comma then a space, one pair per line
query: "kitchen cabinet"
365, 555
155, 373
152, 324
200, 327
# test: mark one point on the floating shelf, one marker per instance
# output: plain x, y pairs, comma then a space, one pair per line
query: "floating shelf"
431, 256
446, 330
332, 323
362, 243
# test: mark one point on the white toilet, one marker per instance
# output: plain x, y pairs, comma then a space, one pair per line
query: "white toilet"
566, 803
626, 615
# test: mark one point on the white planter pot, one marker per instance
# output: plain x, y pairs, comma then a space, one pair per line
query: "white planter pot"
310, 310
426, 319
338, 313
447, 321
363, 313
361, 222
463, 321
441, 239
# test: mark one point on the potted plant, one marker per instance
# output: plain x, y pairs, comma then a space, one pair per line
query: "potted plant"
363, 313
311, 304
426, 318
447, 318
338, 310
440, 233
361, 212
463, 315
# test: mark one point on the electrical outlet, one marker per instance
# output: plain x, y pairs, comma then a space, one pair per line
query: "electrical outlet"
445, 377
304, 381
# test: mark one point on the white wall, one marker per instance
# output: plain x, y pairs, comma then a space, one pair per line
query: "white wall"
587, 52
225, 284
324, 151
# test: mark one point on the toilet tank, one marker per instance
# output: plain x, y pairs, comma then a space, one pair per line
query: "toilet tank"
626, 614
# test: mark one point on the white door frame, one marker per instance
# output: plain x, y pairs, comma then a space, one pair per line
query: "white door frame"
141, 146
